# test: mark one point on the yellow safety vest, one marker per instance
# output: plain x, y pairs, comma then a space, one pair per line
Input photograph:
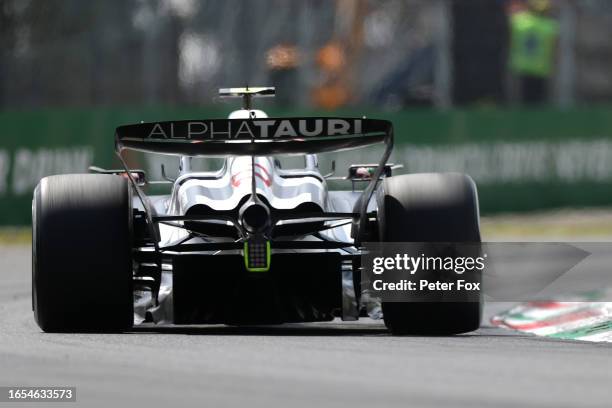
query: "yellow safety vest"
533, 44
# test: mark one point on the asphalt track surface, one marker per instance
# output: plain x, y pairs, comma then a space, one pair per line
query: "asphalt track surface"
318, 365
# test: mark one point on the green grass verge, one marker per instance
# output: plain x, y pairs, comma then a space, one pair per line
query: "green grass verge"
570, 224
15, 235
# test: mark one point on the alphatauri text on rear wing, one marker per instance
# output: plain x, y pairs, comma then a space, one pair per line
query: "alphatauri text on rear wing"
253, 137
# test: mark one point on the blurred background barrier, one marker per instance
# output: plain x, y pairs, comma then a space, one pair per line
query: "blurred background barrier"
521, 159
516, 93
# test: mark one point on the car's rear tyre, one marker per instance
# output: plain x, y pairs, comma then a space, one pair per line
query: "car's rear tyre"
430, 208
81, 253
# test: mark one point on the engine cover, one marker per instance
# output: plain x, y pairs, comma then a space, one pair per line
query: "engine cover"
281, 190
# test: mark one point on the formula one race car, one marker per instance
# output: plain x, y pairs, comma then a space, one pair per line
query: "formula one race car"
252, 243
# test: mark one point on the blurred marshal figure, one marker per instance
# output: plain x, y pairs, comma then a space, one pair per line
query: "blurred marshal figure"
532, 51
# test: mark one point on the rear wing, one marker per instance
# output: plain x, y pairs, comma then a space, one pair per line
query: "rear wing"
253, 137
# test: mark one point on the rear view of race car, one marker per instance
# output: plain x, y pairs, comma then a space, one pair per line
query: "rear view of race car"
251, 243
